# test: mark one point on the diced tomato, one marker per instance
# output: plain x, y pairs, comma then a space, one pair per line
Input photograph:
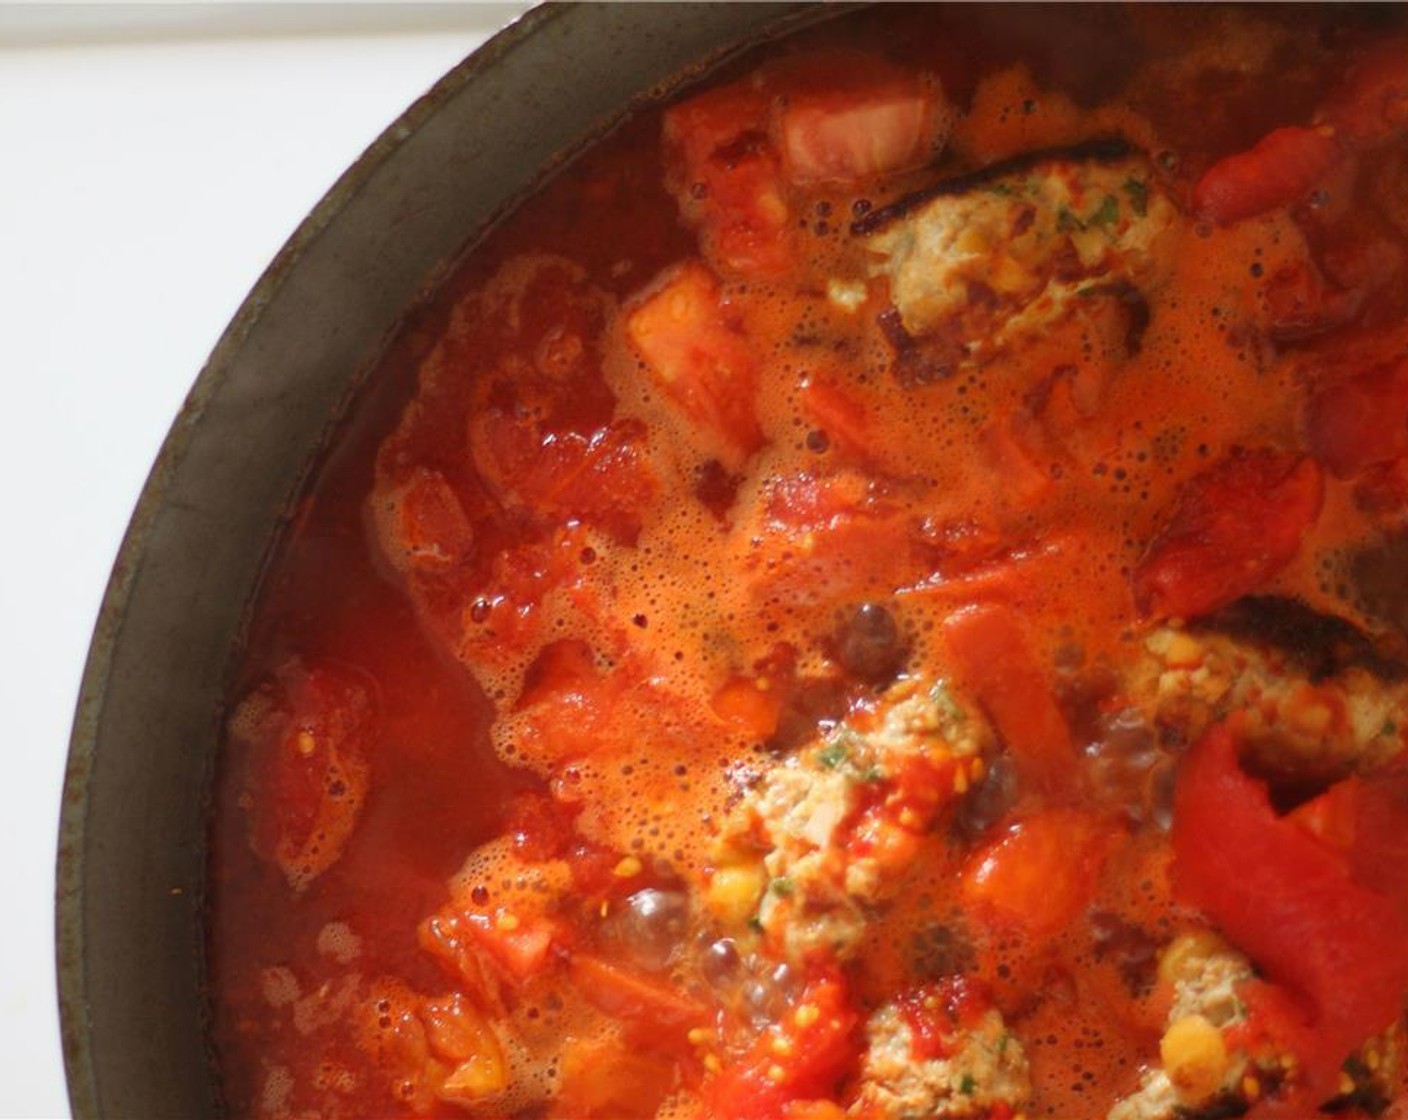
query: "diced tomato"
601, 477
1360, 421
1279, 169
1292, 903
519, 943
503, 617
699, 357
993, 657
1372, 108
308, 735
629, 995
1234, 527
728, 178
812, 539
844, 116
1038, 875
421, 525
803, 1057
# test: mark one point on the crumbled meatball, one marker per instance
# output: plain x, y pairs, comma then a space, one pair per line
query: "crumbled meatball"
886, 774
1293, 728
982, 1067
995, 259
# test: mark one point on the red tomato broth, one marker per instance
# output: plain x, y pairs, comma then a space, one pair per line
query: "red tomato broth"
627, 546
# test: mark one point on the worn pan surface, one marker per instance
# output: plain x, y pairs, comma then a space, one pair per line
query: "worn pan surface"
132, 843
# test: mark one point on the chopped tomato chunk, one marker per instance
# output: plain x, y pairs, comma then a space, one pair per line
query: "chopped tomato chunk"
848, 116
1279, 169
804, 1056
1360, 421
994, 658
700, 358
601, 477
1039, 874
1234, 527
817, 539
728, 178
1292, 902
308, 735
421, 525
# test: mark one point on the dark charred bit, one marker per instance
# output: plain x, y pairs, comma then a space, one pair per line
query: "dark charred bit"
916, 362
1379, 582
1323, 645
814, 703
1133, 950
990, 802
1104, 150
869, 644
942, 949
716, 488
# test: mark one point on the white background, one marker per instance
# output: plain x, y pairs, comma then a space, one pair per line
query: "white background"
152, 161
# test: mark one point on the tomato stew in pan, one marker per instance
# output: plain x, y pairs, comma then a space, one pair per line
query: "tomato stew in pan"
881, 591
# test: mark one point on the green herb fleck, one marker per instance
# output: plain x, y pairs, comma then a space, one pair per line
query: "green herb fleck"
1002, 1042
835, 752
1066, 222
943, 701
1389, 728
755, 924
782, 886
967, 1085
871, 774
1108, 214
1138, 192
1003, 189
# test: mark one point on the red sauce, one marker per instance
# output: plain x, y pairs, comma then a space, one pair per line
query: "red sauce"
810, 620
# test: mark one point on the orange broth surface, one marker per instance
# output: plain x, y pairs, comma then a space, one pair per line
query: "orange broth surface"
878, 592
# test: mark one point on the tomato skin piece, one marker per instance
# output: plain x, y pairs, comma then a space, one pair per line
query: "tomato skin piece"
683, 331
1291, 903
625, 994
823, 1049
1360, 421
1281, 167
994, 658
1234, 527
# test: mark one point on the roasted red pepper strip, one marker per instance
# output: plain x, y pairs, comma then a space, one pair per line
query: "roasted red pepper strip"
1233, 528
1293, 904
994, 658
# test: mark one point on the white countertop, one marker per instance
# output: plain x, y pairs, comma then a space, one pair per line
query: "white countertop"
154, 159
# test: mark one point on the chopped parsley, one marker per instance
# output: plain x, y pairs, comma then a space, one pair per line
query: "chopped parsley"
967, 1085
1108, 213
836, 751
1066, 222
1138, 192
1389, 728
782, 886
